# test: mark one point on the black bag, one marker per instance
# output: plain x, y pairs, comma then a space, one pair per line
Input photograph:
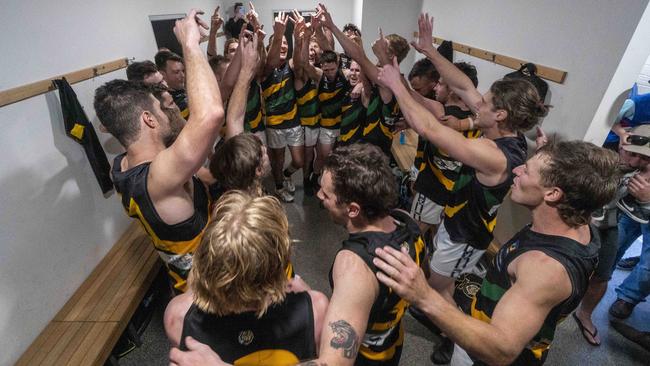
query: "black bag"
529, 72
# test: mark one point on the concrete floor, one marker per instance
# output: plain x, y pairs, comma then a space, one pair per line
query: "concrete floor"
316, 243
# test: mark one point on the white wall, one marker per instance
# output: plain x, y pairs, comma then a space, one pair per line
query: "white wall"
341, 10
626, 74
399, 17
586, 38
55, 223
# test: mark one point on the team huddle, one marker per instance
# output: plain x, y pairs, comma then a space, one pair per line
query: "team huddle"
202, 133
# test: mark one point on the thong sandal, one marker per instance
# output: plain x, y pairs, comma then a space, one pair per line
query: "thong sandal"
586, 331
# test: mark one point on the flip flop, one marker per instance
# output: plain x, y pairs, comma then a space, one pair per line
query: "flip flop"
584, 330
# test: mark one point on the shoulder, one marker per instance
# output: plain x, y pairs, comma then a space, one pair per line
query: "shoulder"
541, 274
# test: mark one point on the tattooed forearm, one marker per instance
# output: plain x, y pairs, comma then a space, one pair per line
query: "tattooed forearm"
344, 338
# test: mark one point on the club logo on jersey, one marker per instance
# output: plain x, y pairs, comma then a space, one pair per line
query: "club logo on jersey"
246, 337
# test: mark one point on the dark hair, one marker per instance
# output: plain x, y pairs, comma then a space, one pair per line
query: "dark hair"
352, 28
234, 164
424, 68
215, 61
399, 46
137, 71
361, 174
238, 4
162, 57
328, 57
469, 70
588, 176
520, 99
119, 104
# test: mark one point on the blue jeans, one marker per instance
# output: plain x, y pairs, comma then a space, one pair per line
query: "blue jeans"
636, 287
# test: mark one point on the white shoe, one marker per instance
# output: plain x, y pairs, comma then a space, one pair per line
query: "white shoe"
284, 195
287, 184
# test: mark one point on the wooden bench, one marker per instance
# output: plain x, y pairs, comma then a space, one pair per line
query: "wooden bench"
86, 329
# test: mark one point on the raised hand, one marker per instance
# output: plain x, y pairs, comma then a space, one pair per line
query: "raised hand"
389, 75
249, 56
298, 23
191, 29
216, 20
380, 48
252, 17
324, 16
280, 24
424, 41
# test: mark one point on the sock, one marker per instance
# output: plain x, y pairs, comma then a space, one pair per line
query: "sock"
289, 171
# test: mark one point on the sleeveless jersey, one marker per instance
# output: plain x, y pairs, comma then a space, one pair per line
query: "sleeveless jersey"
331, 95
253, 117
471, 210
376, 131
180, 99
579, 262
175, 243
280, 99
439, 172
352, 119
283, 336
308, 104
382, 343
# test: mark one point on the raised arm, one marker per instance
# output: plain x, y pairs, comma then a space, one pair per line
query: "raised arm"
273, 60
323, 36
457, 81
175, 165
480, 154
540, 284
215, 23
232, 72
351, 48
237, 103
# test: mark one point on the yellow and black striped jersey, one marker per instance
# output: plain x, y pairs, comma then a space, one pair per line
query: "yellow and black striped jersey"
331, 94
279, 97
308, 105
175, 243
438, 172
283, 336
382, 342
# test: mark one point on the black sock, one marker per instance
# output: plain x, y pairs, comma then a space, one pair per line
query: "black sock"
289, 171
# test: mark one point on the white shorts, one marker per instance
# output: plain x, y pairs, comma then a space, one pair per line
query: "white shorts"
451, 259
327, 136
280, 138
311, 135
426, 211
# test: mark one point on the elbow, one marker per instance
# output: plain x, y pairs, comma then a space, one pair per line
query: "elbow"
502, 357
212, 119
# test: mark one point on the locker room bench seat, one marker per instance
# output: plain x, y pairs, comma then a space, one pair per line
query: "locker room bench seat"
86, 329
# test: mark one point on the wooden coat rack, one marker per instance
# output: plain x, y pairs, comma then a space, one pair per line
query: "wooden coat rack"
19, 93
543, 72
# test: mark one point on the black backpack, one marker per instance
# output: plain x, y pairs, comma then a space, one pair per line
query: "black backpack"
529, 72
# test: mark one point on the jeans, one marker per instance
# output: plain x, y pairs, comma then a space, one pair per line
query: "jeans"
636, 287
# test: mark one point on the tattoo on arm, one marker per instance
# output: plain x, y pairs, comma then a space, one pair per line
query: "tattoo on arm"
344, 338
